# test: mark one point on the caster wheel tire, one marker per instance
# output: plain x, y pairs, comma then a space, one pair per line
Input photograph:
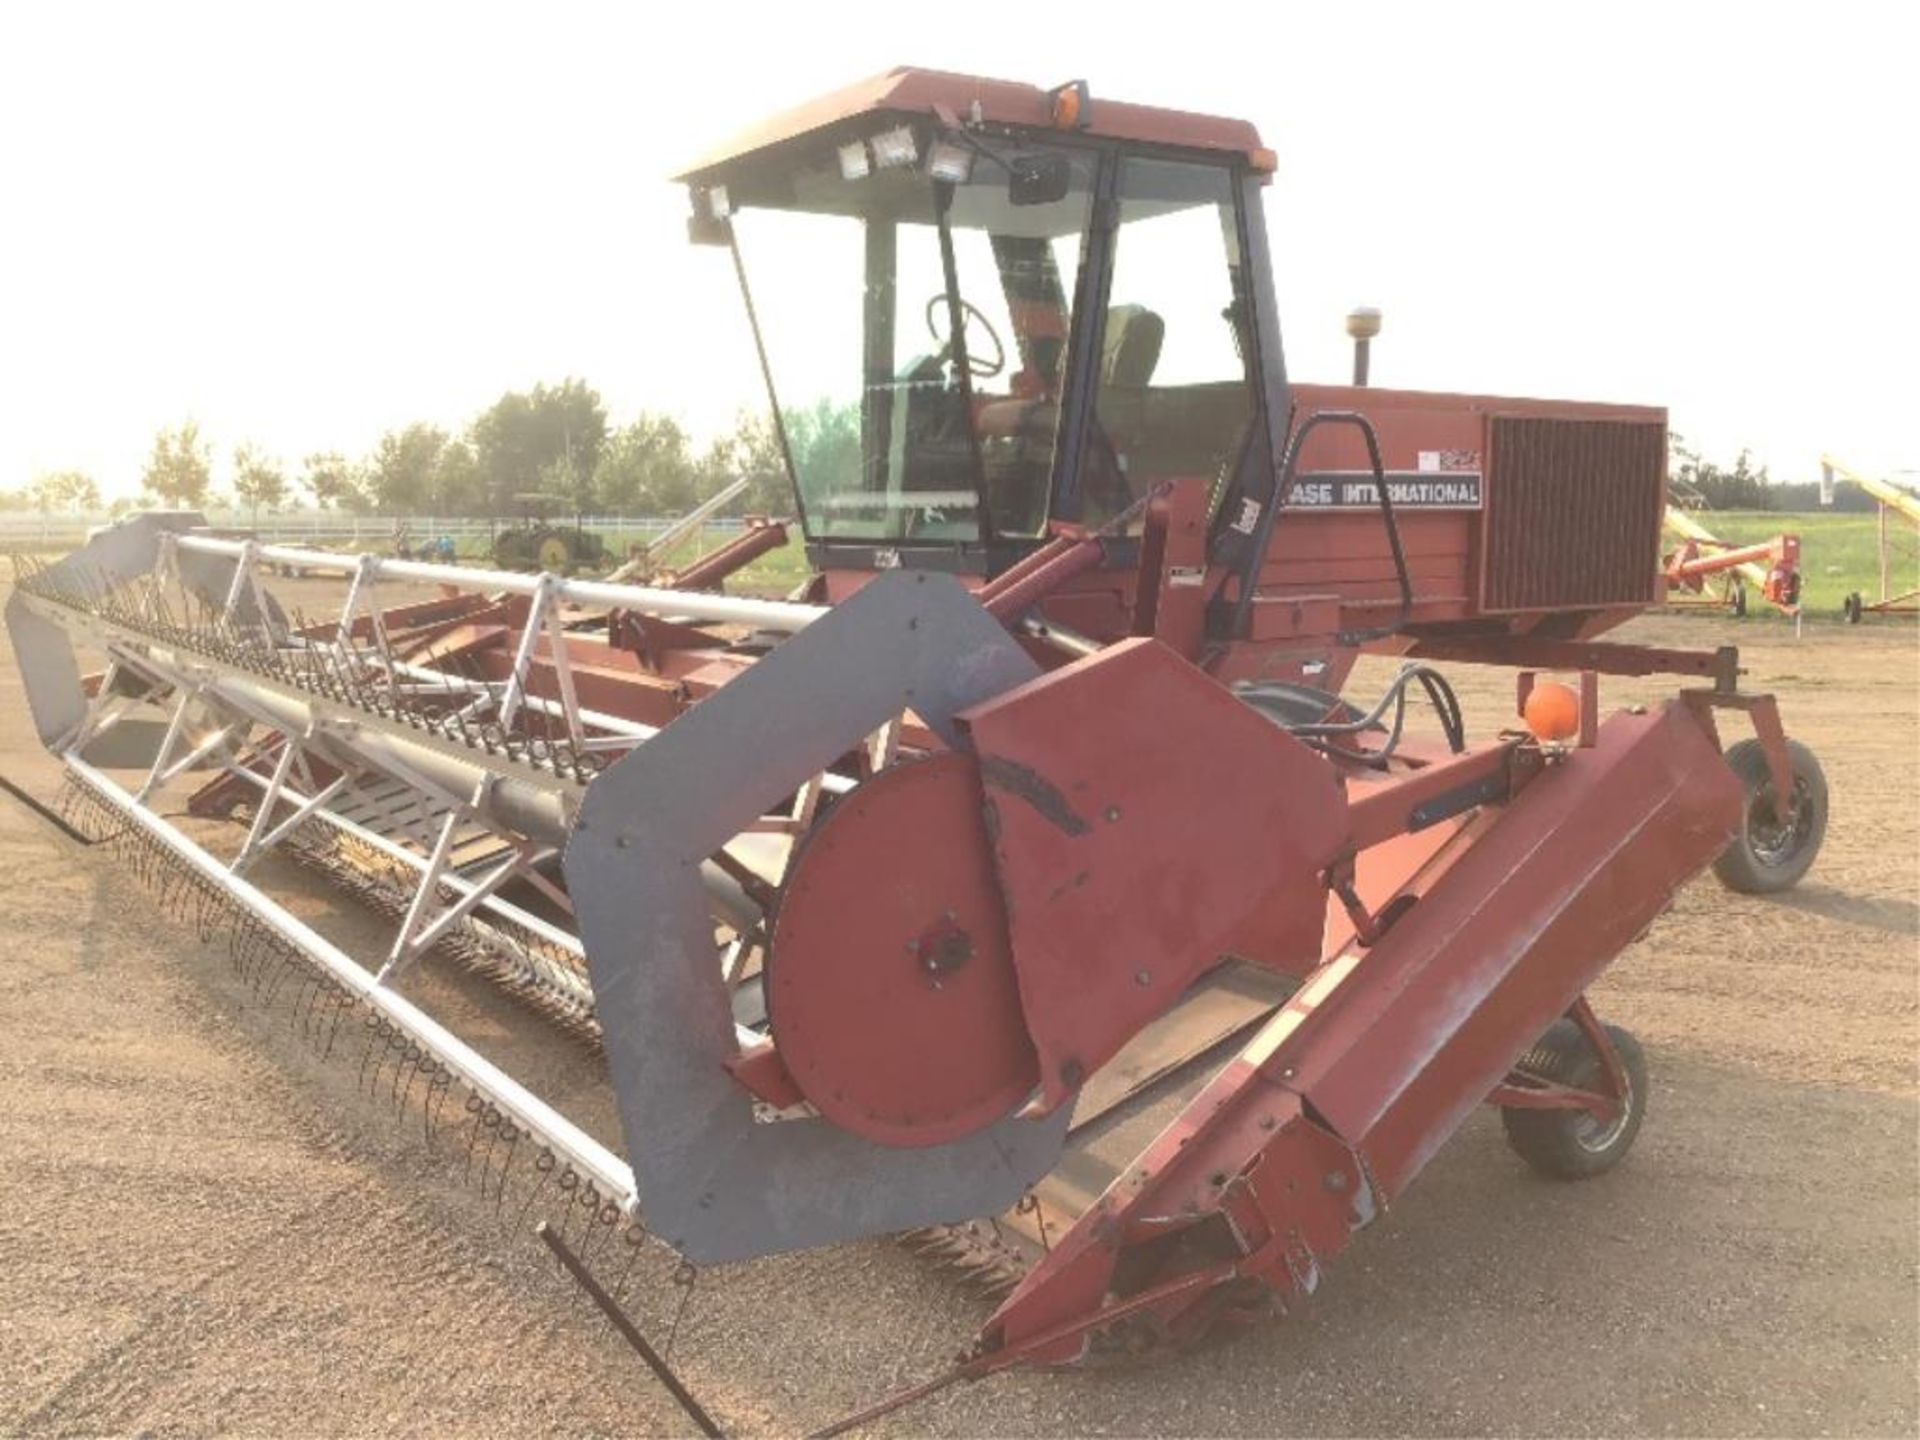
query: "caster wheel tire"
1852, 607
1574, 1144
1767, 855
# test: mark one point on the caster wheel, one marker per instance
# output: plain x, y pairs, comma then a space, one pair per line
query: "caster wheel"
1768, 855
1573, 1144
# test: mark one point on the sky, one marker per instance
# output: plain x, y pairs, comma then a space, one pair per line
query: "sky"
301, 225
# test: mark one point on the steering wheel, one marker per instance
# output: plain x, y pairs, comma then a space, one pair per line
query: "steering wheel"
979, 368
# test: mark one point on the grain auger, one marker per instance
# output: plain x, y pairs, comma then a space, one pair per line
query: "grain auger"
1027, 884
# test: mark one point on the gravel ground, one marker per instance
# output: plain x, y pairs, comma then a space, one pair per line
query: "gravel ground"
204, 1227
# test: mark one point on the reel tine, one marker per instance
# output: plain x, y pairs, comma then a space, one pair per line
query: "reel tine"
66, 800
510, 1134
569, 1182
439, 1081
382, 1045
341, 1002
413, 1059
240, 945
494, 1120
687, 1276
635, 1238
610, 1219
306, 1004
373, 1023
543, 1165
398, 1043
473, 1107
281, 955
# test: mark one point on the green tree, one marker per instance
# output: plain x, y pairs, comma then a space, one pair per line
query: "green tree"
334, 482
1698, 481
825, 440
179, 466
561, 478
647, 468
257, 480
63, 490
404, 465
522, 434
751, 449
458, 488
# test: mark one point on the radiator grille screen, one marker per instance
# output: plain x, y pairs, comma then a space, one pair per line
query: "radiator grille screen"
1573, 513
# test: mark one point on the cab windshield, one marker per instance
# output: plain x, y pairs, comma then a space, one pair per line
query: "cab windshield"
914, 304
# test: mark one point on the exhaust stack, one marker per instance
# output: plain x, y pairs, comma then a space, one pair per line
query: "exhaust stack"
1363, 323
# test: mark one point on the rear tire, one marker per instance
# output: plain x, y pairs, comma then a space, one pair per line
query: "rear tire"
1575, 1144
1766, 856
1739, 602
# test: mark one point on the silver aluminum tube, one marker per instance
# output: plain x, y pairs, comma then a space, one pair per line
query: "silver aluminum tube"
522, 807
529, 808
505, 909
697, 516
780, 615
729, 899
613, 724
449, 877
597, 719
611, 1175
532, 807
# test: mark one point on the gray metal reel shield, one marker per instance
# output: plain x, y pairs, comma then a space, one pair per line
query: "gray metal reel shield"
713, 1182
42, 649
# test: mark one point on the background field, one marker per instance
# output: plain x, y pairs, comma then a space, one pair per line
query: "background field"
1838, 553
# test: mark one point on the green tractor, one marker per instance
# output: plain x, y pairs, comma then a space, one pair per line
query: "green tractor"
537, 543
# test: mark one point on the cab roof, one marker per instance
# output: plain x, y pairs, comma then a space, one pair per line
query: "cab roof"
1001, 102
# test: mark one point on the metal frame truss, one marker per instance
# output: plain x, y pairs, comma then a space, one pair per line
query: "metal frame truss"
304, 716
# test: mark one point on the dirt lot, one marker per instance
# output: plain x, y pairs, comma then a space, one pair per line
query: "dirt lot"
205, 1229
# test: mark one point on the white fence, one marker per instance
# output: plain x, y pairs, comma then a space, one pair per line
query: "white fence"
30, 529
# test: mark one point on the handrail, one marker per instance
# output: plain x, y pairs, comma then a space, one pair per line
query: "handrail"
1263, 529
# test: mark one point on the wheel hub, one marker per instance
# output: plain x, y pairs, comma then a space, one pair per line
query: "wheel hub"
1593, 1134
1772, 840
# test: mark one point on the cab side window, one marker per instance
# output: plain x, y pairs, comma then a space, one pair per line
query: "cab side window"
1173, 398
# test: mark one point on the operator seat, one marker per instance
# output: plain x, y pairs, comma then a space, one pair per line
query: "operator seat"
1128, 359
1132, 352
